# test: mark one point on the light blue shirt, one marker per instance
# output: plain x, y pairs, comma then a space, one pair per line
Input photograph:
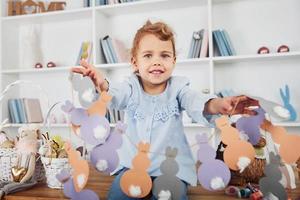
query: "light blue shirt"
157, 119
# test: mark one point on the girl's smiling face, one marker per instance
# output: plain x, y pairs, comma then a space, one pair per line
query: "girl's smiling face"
154, 61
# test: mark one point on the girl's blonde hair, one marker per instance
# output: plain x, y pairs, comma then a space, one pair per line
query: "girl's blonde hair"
159, 29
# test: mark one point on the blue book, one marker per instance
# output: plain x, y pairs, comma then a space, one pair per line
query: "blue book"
192, 46
226, 42
216, 43
21, 112
229, 42
11, 113
198, 43
105, 51
112, 50
15, 111
222, 43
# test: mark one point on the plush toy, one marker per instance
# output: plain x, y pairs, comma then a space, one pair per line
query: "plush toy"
26, 149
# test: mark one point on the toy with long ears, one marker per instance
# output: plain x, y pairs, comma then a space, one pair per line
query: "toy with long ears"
94, 129
289, 144
80, 167
270, 183
168, 183
213, 174
238, 154
286, 102
250, 125
136, 182
69, 190
105, 157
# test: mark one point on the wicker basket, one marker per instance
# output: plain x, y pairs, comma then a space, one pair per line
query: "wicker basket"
8, 159
52, 167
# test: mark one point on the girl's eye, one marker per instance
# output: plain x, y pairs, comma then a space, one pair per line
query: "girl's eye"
147, 55
165, 55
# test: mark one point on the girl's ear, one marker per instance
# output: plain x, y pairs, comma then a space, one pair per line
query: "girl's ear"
174, 61
134, 64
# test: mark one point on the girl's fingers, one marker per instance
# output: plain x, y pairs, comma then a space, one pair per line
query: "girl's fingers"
78, 70
85, 64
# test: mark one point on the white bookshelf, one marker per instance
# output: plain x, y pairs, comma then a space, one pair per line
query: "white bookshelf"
250, 24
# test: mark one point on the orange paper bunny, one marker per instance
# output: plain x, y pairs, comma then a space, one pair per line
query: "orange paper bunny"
238, 154
136, 182
289, 144
80, 167
99, 107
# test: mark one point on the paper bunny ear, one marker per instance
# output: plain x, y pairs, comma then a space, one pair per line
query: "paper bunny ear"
285, 97
143, 147
171, 152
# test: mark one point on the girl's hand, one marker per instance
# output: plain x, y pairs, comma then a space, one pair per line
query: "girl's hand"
231, 105
97, 77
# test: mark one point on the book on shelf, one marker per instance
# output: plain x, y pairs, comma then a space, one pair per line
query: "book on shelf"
110, 2
25, 110
222, 43
113, 50
85, 52
199, 44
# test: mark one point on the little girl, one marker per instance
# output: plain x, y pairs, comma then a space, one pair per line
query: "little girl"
153, 100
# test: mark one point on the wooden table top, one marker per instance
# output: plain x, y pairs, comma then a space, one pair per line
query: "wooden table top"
101, 183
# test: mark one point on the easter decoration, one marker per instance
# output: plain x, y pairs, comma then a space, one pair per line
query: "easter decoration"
69, 190
285, 96
238, 153
213, 174
136, 182
167, 185
270, 183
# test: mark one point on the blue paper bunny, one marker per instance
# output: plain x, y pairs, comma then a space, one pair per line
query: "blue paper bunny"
286, 101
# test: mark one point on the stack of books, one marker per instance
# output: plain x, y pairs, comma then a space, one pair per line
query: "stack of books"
25, 111
222, 43
113, 116
114, 50
199, 44
107, 2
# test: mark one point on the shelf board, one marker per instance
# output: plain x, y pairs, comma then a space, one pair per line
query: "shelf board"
34, 70
257, 57
287, 124
146, 5
72, 14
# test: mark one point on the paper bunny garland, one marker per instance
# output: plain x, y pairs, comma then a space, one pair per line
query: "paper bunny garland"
270, 183
168, 183
251, 125
93, 129
80, 167
285, 141
105, 157
238, 154
85, 88
213, 174
286, 102
69, 190
136, 182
